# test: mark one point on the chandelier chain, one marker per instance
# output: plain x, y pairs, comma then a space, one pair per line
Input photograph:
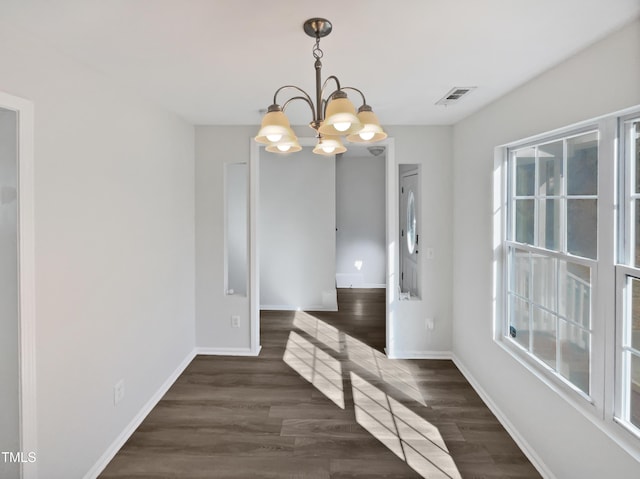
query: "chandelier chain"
317, 51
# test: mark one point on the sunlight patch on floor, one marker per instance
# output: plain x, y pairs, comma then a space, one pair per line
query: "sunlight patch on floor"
393, 371
409, 436
319, 368
323, 332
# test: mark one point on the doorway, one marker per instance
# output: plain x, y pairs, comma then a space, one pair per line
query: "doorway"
360, 218
17, 339
388, 218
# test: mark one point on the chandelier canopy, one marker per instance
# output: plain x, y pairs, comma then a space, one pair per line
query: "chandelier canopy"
333, 116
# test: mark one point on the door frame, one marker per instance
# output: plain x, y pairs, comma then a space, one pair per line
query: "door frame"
26, 280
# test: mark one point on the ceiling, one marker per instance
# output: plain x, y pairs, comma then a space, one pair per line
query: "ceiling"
218, 62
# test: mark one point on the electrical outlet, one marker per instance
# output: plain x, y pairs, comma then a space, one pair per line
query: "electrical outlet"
118, 392
430, 324
235, 321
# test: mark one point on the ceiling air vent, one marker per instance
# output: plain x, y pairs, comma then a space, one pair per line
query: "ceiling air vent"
455, 94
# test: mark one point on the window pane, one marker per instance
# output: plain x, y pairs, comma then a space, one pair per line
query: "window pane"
549, 224
634, 390
553, 207
520, 272
550, 169
544, 281
582, 226
635, 253
636, 131
519, 321
525, 172
575, 293
582, 165
544, 336
573, 363
524, 221
634, 340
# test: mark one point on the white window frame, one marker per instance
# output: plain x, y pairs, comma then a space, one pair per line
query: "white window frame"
604, 404
591, 403
624, 268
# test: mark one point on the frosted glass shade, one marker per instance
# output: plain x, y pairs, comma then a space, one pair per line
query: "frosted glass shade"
340, 113
371, 130
329, 146
275, 128
284, 147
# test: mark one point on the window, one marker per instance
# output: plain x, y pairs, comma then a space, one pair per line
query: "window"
568, 302
552, 238
628, 279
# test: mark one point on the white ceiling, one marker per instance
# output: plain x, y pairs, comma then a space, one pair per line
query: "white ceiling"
218, 62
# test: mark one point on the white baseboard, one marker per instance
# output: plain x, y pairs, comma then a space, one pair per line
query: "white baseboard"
287, 307
363, 286
227, 351
116, 445
531, 454
420, 355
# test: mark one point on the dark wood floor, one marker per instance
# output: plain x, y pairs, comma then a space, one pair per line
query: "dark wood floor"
321, 401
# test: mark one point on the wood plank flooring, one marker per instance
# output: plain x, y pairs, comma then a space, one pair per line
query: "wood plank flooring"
321, 401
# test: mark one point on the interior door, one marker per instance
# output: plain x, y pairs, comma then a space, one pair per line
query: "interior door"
409, 232
9, 283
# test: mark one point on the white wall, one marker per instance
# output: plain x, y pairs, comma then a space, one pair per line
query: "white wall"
297, 218
431, 148
216, 146
9, 338
114, 223
601, 79
360, 221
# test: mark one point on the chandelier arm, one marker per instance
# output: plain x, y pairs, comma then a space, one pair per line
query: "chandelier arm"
335, 79
322, 102
305, 98
364, 100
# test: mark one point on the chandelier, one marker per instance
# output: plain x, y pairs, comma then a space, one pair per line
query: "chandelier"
332, 117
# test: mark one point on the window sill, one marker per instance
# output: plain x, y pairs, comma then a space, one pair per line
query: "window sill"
607, 423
